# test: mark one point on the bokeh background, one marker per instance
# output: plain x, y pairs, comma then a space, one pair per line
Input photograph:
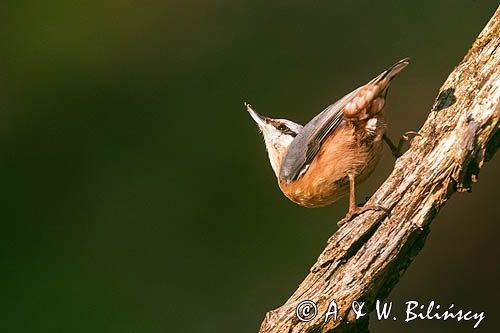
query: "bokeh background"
136, 193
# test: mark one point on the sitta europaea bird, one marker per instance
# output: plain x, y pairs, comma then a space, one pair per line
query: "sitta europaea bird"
320, 162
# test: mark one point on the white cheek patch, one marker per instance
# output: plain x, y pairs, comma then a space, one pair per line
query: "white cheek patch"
287, 139
371, 125
276, 146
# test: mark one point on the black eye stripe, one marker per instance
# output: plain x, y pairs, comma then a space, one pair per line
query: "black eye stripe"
287, 131
283, 128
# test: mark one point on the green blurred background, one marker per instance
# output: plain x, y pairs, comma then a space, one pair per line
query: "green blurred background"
137, 195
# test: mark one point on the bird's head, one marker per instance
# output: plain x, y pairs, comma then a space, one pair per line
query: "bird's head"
278, 134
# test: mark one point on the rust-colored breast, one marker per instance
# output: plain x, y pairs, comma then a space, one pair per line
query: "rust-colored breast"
325, 181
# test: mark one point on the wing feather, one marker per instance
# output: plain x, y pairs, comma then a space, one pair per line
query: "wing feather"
308, 142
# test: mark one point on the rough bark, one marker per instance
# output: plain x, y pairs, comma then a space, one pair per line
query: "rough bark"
366, 257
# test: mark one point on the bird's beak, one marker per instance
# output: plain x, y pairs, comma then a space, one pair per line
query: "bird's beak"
257, 117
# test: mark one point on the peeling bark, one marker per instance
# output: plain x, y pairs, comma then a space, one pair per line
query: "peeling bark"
366, 257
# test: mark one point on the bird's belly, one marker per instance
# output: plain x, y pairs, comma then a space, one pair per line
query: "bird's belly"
326, 180
319, 195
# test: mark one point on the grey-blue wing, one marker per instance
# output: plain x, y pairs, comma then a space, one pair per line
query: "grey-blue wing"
307, 143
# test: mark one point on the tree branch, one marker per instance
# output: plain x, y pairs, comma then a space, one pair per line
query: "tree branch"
366, 257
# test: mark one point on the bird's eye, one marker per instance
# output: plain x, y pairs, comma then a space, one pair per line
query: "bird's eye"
282, 127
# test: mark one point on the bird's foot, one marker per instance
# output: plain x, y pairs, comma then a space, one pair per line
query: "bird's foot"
405, 137
360, 210
408, 136
397, 151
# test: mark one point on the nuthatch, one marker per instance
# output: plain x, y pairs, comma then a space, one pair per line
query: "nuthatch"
320, 162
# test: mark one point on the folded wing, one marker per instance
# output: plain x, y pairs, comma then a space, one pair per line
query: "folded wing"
358, 105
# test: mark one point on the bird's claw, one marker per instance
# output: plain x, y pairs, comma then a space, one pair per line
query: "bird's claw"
406, 137
360, 210
397, 151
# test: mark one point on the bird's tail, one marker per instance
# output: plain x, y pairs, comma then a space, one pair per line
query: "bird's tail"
369, 99
392, 71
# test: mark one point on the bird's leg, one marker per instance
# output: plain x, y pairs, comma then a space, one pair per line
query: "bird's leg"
352, 193
353, 209
397, 150
352, 200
